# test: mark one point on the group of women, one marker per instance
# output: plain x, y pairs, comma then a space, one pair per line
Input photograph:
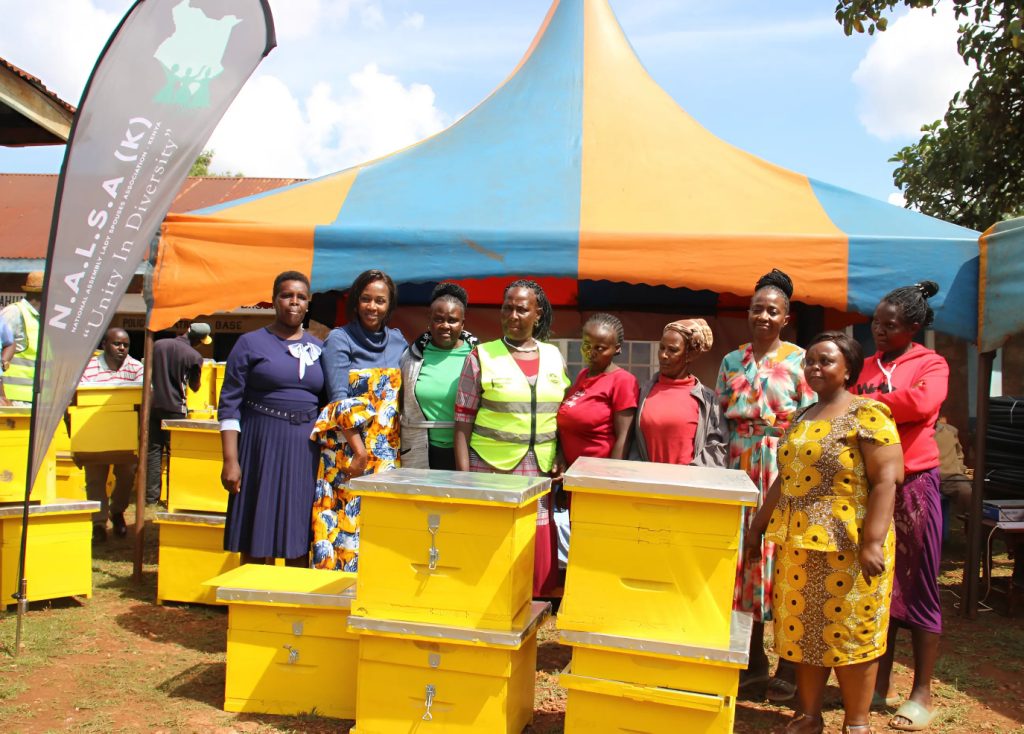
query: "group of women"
838, 449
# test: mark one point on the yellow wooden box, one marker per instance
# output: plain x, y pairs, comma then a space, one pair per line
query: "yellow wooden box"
191, 551
289, 649
653, 550
448, 548
105, 418
58, 562
15, 425
202, 401
193, 475
621, 684
416, 677
70, 478
219, 369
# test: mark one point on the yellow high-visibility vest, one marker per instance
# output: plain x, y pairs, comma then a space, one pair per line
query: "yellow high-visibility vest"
515, 416
18, 377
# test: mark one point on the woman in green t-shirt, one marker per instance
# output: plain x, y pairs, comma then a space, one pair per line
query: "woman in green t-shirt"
431, 366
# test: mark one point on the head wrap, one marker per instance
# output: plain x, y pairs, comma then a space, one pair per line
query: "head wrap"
696, 333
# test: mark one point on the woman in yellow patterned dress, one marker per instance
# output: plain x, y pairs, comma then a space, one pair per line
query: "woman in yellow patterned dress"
830, 511
358, 431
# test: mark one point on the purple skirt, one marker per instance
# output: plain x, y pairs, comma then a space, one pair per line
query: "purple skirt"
918, 521
271, 516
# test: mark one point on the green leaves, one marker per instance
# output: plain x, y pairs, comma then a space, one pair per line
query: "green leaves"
967, 168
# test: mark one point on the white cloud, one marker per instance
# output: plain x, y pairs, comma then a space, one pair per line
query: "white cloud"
373, 17
910, 73
59, 45
414, 21
896, 198
268, 132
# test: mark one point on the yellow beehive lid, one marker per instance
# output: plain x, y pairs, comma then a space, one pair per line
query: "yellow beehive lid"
106, 394
285, 586
735, 655
15, 411
660, 481
453, 486
513, 639
190, 424
54, 507
190, 518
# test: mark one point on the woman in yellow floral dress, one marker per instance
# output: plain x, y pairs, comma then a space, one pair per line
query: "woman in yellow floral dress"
830, 511
358, 431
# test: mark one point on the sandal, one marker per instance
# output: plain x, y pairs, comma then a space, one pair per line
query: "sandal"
858, 729
804, 724
780, 690
919, 717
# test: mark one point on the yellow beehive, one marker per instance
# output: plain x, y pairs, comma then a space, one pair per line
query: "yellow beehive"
15, 425
58, 562
621, 684
653, 550
191, 552
447, 548
219, 369
428, 678
105, 419
289, 651
194, 469
70, 478
201, 403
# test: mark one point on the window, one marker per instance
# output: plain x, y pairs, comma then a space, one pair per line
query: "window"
639, 357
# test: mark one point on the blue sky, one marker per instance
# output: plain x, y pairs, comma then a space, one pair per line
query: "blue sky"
354, 79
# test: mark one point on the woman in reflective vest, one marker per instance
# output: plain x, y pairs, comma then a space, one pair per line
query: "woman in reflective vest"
506, 408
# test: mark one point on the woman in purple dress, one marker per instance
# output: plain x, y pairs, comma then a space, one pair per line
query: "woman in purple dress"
271, 395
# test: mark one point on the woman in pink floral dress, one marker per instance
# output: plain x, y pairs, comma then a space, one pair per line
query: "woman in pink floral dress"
760, 387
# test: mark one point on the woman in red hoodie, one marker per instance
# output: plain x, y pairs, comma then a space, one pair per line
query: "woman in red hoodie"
912, 381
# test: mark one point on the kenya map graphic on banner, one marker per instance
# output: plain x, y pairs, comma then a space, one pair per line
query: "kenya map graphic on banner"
157, 92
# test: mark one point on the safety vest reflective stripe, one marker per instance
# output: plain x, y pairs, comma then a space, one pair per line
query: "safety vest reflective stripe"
515, 416
21, 373
513, 437
515, 406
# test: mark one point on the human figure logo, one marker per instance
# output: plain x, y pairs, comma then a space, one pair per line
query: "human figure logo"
192, 55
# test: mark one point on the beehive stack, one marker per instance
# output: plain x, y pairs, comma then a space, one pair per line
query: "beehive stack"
59, 555
192, 529
648, 597
443, 605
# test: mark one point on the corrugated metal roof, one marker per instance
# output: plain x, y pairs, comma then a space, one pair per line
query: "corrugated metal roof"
26, 205
36, 83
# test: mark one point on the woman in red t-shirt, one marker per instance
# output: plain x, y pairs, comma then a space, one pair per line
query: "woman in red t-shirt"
596, 417
678, 420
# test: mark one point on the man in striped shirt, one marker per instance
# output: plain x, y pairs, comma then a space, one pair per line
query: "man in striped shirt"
111, 366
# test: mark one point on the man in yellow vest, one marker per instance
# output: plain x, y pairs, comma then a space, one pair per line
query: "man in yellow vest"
23, 319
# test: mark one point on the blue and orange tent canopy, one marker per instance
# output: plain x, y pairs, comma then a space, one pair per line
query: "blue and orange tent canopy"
578, 166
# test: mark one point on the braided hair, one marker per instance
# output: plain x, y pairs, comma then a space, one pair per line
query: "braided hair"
452, 293
542, 329
607, 321
778, 281
912, 302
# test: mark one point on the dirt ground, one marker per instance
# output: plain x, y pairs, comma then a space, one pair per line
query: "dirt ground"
119, 663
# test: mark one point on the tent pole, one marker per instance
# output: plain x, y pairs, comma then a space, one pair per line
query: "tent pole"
141, 472
969, 595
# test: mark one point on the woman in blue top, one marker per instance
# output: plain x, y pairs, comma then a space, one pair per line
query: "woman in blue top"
358, 431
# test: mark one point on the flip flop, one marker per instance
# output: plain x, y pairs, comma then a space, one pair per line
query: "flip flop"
780, 691
919, 717
877, 702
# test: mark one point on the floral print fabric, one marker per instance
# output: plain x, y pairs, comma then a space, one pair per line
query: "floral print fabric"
374, 412
759, 399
